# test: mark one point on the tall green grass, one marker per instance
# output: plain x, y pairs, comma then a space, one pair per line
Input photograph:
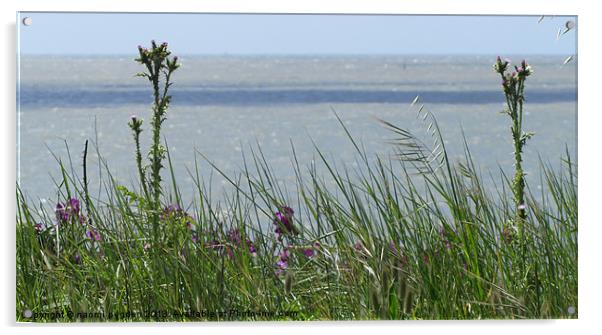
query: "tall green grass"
412, 236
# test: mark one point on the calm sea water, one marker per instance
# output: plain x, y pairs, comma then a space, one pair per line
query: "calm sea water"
224, 105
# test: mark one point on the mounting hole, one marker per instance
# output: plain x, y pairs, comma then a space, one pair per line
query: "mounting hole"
571, 310
27, 21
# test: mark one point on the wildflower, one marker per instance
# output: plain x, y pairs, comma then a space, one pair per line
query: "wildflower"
234, 237
524, 70
135, 123
284, 222
229, 252
38, 228
282, 263
252, 249
77, 258
93, 235
195, 237
68, 210
175, 212
522, 207
309, 252
61, 214
501, 65
73, 205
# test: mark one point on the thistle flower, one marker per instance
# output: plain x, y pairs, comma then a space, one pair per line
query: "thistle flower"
135, 124
524, 70
501, 65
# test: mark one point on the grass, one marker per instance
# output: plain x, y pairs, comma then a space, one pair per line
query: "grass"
415, 236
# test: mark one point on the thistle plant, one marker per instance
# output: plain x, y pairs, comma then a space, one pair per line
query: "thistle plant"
513, 84
136, 126
159, 68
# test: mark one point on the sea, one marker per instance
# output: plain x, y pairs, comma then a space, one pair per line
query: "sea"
225, 107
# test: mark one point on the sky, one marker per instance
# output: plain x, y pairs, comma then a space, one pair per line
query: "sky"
120, 33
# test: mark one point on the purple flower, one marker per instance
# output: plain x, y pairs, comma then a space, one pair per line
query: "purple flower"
93, 235
229, 252
70, 209
171, 210
398, 253
309, 252
73, 205
500, 65
77, 258
284, 255
234, 237
252, 249
175, 212
284, 222
282, 263
61, 214
38, 228
195, 238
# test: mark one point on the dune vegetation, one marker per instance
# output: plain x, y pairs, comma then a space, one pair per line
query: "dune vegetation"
413, 236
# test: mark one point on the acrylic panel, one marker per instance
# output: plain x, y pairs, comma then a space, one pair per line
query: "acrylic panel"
238, 167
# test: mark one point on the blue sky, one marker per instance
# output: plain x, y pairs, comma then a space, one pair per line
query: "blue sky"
113, 33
